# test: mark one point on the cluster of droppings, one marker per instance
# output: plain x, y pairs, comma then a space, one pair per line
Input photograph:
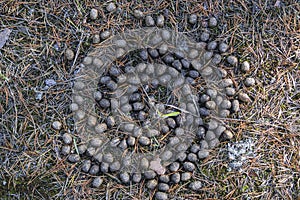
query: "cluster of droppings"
149, 106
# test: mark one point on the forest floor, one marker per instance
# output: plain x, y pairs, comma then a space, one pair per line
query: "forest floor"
265, 33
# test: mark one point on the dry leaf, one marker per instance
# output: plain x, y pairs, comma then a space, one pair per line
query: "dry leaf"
277, 3
4, 37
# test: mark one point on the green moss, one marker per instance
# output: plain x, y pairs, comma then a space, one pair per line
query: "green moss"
2, 76
24, 188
